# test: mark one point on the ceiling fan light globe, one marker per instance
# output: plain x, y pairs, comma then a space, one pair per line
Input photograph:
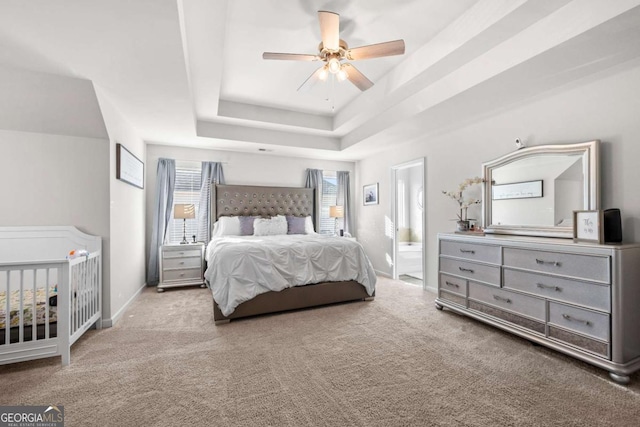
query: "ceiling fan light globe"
334, 65
323, 73
342, 75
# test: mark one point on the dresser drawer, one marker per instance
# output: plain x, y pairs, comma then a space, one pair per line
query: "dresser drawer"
480, 272
179, 253
589, 267
572, 291
471, 251
193, 262
522, 304
575, 319
186, 274
454, 285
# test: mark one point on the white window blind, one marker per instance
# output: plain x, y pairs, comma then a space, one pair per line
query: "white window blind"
187, 191
329, 197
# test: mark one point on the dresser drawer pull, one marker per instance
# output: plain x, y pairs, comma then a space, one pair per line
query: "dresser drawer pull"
499, 298
468, 270
543, 286
573, 319
181, 262
455, 285
181, 274
542, 262
467, 251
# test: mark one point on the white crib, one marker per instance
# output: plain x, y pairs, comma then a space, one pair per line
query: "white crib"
47, 301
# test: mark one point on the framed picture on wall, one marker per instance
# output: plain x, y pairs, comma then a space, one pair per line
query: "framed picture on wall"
370, 194
129, 168
588, 226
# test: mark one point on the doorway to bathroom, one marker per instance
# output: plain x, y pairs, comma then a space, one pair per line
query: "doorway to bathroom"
409, 220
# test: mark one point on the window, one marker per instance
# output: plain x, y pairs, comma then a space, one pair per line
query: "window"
187, 191
329, 197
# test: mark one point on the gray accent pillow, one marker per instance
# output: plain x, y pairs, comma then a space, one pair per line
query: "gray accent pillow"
246, 225
296, 224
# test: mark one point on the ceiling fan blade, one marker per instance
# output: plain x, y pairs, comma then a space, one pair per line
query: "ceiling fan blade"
290, 56
312, 80
395, 47
329, 29
356, 77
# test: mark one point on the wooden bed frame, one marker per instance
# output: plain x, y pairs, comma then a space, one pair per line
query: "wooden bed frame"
239, 200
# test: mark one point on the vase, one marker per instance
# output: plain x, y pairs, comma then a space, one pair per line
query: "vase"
462, 225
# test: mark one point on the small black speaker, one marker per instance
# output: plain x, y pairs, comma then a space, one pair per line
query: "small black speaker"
612, 226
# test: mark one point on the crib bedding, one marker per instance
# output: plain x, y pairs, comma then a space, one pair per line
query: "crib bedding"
242, 267
27, 307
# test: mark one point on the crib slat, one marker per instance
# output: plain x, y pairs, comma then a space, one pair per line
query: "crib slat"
34, 309
46, 312
7, 319
21, 308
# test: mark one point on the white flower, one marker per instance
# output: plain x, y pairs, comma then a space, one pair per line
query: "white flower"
458, 196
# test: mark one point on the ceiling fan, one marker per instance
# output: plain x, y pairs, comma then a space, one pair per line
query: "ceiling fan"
333, 51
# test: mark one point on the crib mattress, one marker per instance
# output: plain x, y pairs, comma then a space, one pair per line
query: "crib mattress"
27, 307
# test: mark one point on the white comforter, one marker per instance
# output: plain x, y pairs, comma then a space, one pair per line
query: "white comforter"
239, 268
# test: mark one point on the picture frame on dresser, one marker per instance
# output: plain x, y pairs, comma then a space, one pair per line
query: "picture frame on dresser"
588, 226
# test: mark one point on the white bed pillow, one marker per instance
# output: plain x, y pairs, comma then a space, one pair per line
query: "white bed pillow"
273, 226
308, 226
226, 226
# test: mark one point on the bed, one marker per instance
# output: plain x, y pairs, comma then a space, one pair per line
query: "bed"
48, 299
276, 271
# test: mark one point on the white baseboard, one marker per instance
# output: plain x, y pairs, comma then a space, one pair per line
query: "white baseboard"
383, 274
433, 289
107, 323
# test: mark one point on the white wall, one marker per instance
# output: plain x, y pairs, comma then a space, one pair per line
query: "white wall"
54, 155
49, 104
126, 215
605, 108
241, 168
55, 180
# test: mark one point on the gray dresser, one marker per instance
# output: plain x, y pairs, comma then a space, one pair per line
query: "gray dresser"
580, 299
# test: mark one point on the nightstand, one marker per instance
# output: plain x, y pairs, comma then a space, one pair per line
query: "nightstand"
181, 265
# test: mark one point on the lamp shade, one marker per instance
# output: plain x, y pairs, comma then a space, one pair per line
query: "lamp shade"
336, 211
182, 211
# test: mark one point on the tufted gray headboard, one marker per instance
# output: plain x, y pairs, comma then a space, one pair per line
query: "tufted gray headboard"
246, 200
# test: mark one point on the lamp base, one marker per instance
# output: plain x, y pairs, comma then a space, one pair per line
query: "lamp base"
184, 233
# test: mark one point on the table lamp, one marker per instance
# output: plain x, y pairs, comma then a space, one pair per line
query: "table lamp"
184, 212
336, 212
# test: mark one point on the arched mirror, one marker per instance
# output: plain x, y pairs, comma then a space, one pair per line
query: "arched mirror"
534, 191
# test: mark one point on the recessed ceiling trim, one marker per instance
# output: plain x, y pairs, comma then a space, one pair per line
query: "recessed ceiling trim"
265, 136
257, 113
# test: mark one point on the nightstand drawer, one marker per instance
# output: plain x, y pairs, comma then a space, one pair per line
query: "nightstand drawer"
172, 263
185, 274
169, 252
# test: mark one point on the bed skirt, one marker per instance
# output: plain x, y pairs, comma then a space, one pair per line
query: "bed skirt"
295, 298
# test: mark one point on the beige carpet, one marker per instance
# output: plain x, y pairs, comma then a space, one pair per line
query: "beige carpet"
395, 361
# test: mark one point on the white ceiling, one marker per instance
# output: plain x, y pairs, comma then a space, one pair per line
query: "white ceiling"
190, 72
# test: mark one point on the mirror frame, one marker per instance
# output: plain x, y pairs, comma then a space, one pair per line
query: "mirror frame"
590, 152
